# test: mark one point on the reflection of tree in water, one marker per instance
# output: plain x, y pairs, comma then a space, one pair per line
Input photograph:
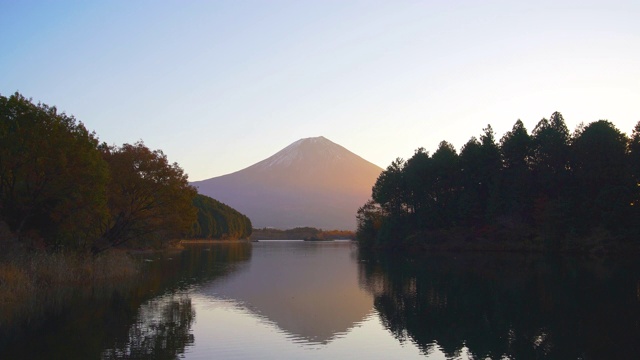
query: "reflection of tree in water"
507, 305
162, 331
82, 330
194, 265
162, 326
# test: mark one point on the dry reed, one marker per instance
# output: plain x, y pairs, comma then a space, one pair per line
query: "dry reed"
36, 283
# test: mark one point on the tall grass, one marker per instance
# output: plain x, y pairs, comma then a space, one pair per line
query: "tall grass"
36, 283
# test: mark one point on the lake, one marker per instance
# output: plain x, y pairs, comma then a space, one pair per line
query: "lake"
325, 300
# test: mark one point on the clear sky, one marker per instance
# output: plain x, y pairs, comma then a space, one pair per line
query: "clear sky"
220, 85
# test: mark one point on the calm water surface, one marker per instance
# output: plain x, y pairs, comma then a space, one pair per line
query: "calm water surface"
324, 300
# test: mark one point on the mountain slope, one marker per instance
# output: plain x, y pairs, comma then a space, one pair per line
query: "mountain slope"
312, 182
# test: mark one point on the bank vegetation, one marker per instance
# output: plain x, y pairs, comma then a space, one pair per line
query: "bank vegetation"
66, 199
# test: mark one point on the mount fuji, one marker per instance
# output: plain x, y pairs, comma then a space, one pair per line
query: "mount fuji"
312, 182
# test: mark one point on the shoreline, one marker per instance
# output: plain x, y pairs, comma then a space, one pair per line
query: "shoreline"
210, 241
498, 247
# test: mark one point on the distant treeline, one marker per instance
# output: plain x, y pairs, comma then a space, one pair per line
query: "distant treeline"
550, 190
61, 188
300, 233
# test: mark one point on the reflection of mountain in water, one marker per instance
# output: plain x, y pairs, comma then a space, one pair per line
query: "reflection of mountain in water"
310, 291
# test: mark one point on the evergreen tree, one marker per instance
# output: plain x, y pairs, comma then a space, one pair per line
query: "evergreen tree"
444, 191
548, 188
515, 181
601, 177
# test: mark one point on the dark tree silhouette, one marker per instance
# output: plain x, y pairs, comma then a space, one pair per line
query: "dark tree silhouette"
601, 177
547, 191
515, 182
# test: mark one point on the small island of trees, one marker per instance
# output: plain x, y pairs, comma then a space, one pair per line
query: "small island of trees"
301, 233
550, 190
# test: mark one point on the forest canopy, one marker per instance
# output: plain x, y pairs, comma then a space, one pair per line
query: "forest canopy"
219, 221
550, 190
61, 188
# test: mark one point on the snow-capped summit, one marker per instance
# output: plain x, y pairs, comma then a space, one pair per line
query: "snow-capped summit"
312, 182
305, 150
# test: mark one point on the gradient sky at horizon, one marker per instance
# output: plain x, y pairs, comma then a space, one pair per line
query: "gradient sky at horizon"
220, 85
